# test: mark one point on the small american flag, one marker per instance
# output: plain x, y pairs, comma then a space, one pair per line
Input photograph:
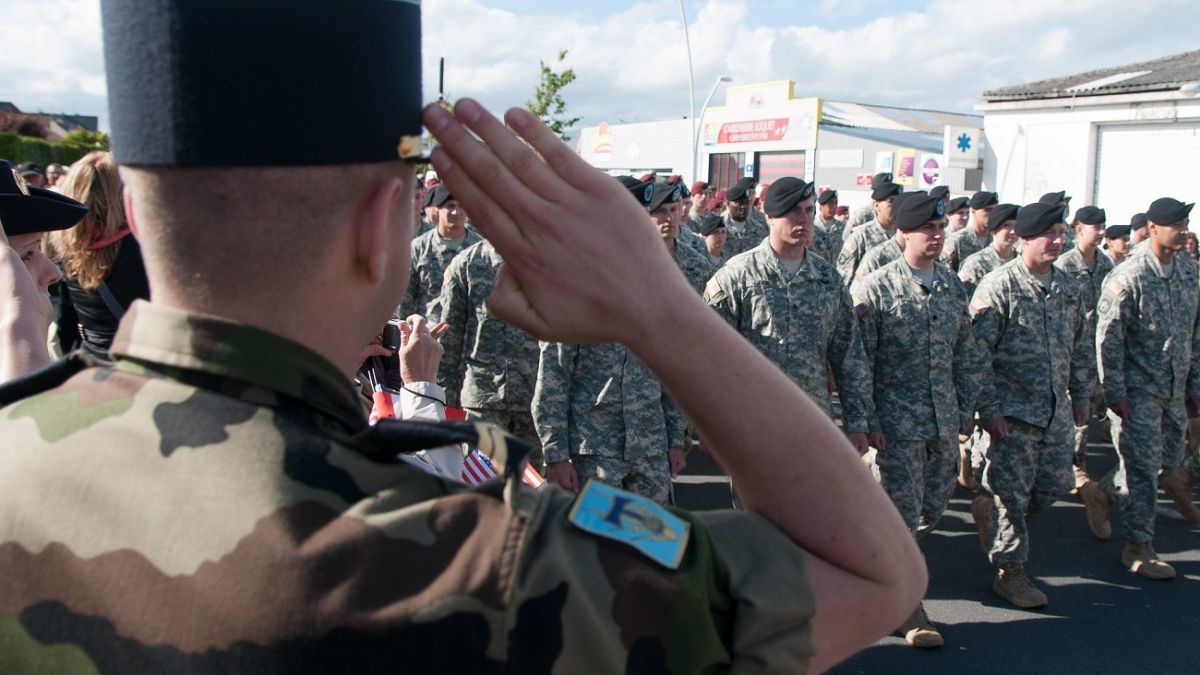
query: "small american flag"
477, 468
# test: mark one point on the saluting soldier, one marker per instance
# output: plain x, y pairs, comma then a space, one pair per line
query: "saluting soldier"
1029, 319
917, 337
432, 252
870, 234
966, 241
1148, 339
829, 231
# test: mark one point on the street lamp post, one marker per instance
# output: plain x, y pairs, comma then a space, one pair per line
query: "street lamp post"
699, 124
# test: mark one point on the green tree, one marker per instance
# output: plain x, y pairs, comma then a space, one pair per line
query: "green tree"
93, 140
548, 103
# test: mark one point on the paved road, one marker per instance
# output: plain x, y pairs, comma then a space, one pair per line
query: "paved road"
1101, 618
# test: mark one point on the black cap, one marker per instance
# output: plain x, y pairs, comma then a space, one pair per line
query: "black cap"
1036, 218
825, 196
709, 222
939, 192
785, 194
664, 193
1054, 197
440, 195
884, 190
187, 79
1116, 231
1090, 215
1138, 221
957, 204
881, 179
1165, 211
642, 191
1000, 215
914, 209
25, 209
738, 192
983, 199
28, 168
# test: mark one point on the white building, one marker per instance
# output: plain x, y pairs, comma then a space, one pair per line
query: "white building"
1117, 138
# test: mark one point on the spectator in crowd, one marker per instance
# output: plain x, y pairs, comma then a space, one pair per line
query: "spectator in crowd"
101, 261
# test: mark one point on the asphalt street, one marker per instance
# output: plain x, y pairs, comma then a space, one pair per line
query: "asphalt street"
1101, 618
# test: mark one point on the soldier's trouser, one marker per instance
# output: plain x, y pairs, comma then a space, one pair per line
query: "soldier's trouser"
1095, 417
519, 423
1026, 472
1191, 458
647, 476
919, 477
1150, 440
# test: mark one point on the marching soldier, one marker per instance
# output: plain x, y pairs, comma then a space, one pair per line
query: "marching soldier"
974, 238
828, 230
1002, 249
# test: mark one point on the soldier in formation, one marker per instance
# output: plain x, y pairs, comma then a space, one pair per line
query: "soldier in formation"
432, 253
870, 234
742, 232
974, 238
828, 230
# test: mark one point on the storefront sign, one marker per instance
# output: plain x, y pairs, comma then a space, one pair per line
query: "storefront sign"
753, 131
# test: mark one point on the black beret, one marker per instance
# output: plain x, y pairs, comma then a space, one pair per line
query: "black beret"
1166, 211
914, 209
1138, 221
825, 196
1117, 231
880, 179
440, 195
939, 192
984, 199
25, 209
26, 168
785, 194
957, 204
709, 222
188, 79
884, 190
1054, 197
738, 192
1000, 215
642, 191
1090, 215
1034, 219
664, 193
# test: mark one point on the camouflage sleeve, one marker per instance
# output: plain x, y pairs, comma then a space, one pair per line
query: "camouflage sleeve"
675, 420
987, 325
968, 366
1083, 353
551, 399
867, 307
1114, 312
455, 310
719, 294
949, 256
848, 258
850, 369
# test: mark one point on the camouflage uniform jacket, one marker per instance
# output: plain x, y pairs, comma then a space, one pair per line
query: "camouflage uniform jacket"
961, 245
922, 354
692, 240
430, 256
1038, 343
828, 236
977, 266
1090, 277
492, 363
215, 503
802, 323
599, 399
862, 239
694, 265
750, 235
875, 259
1148, 329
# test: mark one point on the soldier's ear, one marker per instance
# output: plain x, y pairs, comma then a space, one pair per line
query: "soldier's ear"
382, 225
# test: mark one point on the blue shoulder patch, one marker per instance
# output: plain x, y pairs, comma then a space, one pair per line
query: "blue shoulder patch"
608, 512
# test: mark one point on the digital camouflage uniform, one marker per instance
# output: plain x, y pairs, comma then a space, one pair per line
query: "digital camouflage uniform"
978, 265
1148, 341
692, 240
1039, 345
828, 236
488, 367
694, 265
860, 240
1090, 278
960, 245
803, 323
215, 502
600, 407
875, 259
431, 254
924, 367
750, 235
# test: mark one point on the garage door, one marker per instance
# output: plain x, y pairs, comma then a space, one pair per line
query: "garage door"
1136, 164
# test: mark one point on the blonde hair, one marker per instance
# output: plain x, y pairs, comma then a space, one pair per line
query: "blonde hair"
94, 181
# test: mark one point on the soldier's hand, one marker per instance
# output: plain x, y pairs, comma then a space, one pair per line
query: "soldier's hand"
1120, 408
878, 441
582, 261
563, 475
859, 440
420, 353
1081, 416
997, 427
677, 460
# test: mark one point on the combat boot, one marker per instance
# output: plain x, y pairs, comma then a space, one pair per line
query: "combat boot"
1012, 585
966, 477
918, 631
1142, 559
1097, 504
981, 511
1179, 486
1081, 478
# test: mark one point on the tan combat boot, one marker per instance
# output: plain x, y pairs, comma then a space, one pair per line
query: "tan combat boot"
1179, 486
981, 511
1012, 585
966, 477
1142, 559
919, 631
1081, 478
1097, 504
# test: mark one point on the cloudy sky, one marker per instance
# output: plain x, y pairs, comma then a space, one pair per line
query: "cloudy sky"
631, 61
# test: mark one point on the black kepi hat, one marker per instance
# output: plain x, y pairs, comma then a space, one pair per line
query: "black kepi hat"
1116, 231
939, 192
1055, 197
884, 190
642, 191
984, 199
825, 196
25, 209
1167, 211
663, 193
1036, 218
1137, 222
188, 80
1090, 215
709, 222
914, 209
440, 195
1000, 215
785, 194
957, 204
